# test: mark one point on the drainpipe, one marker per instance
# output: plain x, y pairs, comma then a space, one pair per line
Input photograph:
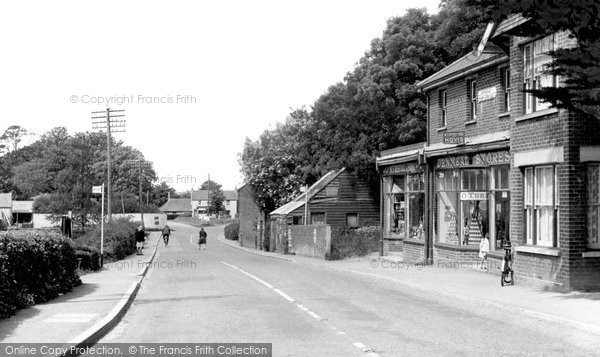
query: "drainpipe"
380, 213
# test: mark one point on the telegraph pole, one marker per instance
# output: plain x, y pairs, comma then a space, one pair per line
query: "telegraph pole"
107, 121
141, 164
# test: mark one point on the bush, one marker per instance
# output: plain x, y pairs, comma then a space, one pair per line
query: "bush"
347, 242
232, 231
89, 258
119, 240
35, 266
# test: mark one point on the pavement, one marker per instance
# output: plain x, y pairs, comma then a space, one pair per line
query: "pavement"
80, 317
473, 285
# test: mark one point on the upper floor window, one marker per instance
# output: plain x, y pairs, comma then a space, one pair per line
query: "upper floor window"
473, 99
506, 88
535, 56
444, 107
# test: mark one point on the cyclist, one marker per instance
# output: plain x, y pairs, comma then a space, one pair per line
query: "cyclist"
166, 232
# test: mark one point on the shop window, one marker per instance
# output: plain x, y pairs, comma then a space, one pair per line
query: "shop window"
473, 179
473, 99
416, 206
404, 206
541, 206
535, 57
447, 206
593, 205
506, 88
317, 218
444, 107
352, 219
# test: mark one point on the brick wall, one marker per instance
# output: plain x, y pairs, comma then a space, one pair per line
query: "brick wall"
392, 245
458, 112
462, 257
414, 252
310, 240
249, 216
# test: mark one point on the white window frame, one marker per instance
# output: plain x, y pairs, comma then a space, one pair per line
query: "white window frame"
534, 206
473, 99
444, 102
533, 53
506, 84
593, 242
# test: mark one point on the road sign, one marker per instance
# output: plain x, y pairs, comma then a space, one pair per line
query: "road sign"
96, 189
455, 138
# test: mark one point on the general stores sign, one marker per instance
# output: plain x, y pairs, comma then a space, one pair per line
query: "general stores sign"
478, 159
402, 169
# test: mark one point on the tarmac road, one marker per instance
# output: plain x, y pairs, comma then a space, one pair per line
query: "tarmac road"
223, 294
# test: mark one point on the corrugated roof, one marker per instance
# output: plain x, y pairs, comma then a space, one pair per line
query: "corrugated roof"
22, 206
312, 191
177, 205
399, 154
464, 66
5, 200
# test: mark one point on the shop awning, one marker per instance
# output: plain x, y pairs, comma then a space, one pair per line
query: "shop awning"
400, 154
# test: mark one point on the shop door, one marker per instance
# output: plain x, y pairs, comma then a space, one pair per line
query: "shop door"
502, 217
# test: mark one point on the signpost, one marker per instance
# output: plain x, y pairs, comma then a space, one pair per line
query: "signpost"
100, 189
454, 138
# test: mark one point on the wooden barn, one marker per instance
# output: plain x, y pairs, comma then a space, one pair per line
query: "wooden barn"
339, 198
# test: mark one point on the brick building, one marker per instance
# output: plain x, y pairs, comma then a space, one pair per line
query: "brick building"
500, 163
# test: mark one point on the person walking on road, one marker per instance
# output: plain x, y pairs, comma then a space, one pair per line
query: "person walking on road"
166, 232
202, 239
140, 237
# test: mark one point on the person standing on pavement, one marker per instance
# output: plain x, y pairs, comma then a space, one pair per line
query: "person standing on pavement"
202, 239
140, 237
484, 248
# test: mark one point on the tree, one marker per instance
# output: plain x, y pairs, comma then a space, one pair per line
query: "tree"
13, 135
215, 196
578, 65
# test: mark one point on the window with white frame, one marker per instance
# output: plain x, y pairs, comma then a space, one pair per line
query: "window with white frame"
535, 57
473, 99
541, 205
444, 106
593, 205
506, 88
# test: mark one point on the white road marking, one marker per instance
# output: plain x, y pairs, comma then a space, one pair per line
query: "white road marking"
285, 296
191, 238
229, 265
359, 345
70, 318
341, 333
258, 279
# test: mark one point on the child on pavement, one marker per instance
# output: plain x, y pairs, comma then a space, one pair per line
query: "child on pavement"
484, 248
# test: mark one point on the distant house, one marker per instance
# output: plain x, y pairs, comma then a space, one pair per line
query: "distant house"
199, 202
251, 218
177, 206
22, 212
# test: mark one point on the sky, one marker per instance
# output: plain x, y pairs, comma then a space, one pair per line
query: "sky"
195, 78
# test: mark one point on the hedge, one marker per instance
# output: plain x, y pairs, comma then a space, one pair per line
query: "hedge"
348, 242
35, 266
232, 231
119, 239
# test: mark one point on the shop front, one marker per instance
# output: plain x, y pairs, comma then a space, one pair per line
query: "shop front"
403, 188
471, 202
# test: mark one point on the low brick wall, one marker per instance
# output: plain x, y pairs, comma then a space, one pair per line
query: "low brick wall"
414, 251
455, 256
391, 245
311, 240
